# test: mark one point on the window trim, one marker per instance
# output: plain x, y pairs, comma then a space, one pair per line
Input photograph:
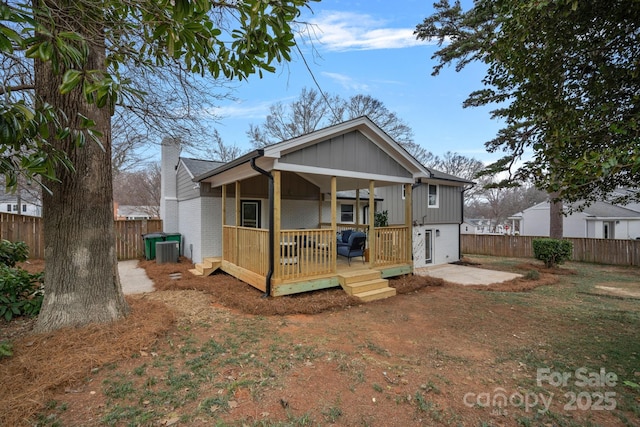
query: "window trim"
249, 202
437, 196
353, 213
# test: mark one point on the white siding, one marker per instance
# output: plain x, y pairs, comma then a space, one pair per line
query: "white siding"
535, 222
190, 226
573, 225
211, 228
298, 214
445, 244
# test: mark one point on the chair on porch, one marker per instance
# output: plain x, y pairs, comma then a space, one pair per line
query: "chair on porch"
354, 246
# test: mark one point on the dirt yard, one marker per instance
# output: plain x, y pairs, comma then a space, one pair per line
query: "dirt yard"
212, 351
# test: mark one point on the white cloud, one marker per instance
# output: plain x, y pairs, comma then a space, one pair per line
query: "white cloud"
342, 31
347, 82
242, 110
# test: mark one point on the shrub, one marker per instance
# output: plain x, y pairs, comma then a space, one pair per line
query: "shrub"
532, 275
381, 219
21, 293
13, 252
552, 251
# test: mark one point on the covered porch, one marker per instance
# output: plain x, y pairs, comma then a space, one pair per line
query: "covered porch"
294, 187
281, 261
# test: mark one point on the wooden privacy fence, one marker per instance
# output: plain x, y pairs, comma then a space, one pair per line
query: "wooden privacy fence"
601, 251
29, 229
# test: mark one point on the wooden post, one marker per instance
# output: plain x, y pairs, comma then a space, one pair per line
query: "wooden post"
238, 221
320, 200
334, 221
224, 216
357, 208
277, 217
408, 221
372, 216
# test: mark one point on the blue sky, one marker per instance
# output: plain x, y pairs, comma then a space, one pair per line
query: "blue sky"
368, 47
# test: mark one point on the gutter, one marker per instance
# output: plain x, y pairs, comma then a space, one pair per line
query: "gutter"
260, 153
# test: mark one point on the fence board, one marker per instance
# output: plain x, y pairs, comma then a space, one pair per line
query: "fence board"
601, 251
29, 229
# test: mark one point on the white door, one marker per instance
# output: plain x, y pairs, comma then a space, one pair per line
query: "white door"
423, 247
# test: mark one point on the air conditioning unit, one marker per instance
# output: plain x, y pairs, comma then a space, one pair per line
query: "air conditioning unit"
167, 252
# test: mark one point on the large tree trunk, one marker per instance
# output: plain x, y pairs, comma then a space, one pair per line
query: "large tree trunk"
82, 284
556, 218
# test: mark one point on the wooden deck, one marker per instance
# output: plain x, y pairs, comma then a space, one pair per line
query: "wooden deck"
306, 260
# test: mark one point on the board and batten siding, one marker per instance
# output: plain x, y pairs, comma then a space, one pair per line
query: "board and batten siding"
186, 189
447, 212
449, 205
352, 151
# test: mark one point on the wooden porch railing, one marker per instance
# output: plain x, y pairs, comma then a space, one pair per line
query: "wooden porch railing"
391, 245
306, 253
247, 248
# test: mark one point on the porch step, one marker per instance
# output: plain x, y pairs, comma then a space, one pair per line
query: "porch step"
367, 285
358, 288
376, 294
348, 277
206, 267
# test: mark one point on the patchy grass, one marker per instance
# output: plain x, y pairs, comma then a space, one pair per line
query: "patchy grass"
232, 358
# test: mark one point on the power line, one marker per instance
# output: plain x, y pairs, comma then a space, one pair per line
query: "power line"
306, 64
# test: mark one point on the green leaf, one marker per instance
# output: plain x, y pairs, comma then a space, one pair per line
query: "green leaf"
71, 80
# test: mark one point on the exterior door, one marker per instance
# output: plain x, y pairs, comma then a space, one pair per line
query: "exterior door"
250, 213
608, 230
423, 247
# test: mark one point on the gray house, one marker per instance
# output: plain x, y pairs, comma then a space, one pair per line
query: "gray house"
274, 217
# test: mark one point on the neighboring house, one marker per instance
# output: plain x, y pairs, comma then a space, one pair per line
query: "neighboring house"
600, 220
128, 212
23, 205
271, 217
484, 226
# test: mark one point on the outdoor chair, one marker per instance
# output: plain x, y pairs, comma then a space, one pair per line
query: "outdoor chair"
354, 247
343, 238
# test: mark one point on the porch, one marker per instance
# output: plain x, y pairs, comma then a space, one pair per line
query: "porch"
307, 260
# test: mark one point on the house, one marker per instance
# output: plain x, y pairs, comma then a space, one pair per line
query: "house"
25, 204
272, 217
129, 212
600, 220
484, 226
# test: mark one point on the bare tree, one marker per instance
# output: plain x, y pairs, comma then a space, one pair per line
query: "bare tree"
313, 110
365, 105
140, 187
498, 203
308, 112
217, 150
457, 165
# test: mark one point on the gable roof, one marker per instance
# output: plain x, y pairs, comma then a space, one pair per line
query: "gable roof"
607, 210
197, 167
297, 155
595, 210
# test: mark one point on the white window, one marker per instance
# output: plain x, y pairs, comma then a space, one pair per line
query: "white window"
8, 208
346, 213
433, 196
24, 208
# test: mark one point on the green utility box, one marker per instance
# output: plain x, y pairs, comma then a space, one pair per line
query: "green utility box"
151, 239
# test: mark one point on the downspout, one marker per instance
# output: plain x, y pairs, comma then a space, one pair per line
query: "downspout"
271, 219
